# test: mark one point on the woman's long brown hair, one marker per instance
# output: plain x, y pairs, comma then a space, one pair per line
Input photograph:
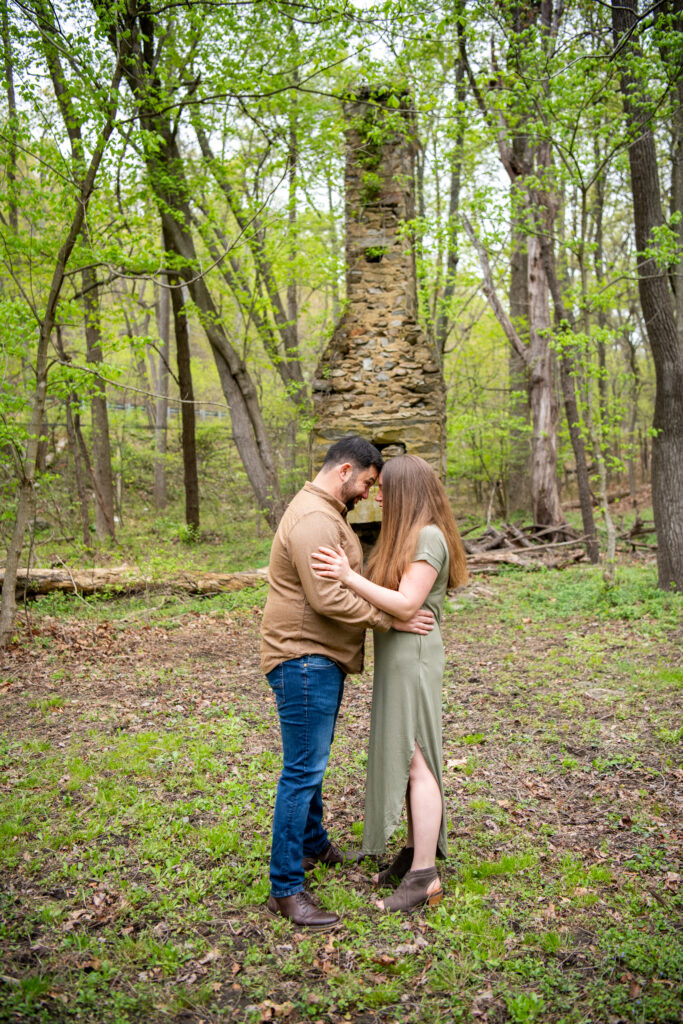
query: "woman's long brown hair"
412, 497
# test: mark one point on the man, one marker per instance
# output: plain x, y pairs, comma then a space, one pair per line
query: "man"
312, 636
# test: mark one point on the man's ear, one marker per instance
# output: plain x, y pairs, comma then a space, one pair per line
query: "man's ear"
345, 470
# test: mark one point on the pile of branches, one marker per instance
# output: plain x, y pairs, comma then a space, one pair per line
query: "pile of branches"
525, 546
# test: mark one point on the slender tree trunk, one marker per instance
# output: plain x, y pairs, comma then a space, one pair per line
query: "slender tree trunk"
677, 199
293, 241
335, 247
13, 216
569, 375
187, 409
599, 265
161, 377
634, 393
81, 489
545, 497
101, 447
658, 312
452, 250
519, 463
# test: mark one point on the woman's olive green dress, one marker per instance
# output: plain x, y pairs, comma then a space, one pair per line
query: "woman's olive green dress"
406, 707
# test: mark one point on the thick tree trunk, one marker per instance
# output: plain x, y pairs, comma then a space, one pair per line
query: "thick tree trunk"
285, 356
658, 312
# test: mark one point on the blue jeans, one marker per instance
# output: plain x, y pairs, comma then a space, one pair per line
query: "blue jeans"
308, 692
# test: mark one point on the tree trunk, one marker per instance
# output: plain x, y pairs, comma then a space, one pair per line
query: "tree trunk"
187, 409
569, 376
81, 489
101, 447
658, 312
519, 464
545, 498
160, 377
677, 202
11, 122
443, 325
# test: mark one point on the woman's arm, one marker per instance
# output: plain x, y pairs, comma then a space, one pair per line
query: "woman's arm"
415, 584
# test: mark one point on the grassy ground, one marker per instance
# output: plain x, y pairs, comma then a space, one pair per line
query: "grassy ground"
138, 764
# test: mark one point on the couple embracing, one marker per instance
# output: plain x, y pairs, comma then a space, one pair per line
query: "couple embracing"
319, 606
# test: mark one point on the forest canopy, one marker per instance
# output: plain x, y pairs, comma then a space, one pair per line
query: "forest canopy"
172, 233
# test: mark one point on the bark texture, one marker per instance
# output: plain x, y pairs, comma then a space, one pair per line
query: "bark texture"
658, 310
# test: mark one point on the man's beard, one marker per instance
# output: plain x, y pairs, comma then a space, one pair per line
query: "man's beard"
347, 496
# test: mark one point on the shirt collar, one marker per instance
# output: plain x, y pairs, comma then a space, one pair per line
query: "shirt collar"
330, 498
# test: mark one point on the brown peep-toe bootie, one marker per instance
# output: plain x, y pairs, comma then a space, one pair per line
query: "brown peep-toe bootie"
412, 892
399, 867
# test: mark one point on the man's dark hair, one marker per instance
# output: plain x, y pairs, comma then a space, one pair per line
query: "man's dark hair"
356, 450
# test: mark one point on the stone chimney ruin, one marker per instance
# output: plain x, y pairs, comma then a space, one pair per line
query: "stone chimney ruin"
380, 375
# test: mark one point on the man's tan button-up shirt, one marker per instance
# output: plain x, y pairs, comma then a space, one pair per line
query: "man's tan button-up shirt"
304, 613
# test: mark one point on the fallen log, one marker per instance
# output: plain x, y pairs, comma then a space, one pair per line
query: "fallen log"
128, 580
122, 580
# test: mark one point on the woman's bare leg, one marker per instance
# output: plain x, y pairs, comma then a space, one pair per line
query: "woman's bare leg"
425, 810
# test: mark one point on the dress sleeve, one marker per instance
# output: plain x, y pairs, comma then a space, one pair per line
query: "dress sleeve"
431, 548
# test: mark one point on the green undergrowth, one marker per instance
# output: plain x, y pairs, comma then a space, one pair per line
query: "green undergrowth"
134, 846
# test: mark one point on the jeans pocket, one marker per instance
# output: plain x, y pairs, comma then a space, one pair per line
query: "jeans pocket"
277, 685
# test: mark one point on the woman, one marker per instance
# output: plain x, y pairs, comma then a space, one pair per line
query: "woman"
419, 554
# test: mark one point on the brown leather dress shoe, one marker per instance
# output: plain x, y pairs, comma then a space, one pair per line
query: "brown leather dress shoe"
300, 909
331, 856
